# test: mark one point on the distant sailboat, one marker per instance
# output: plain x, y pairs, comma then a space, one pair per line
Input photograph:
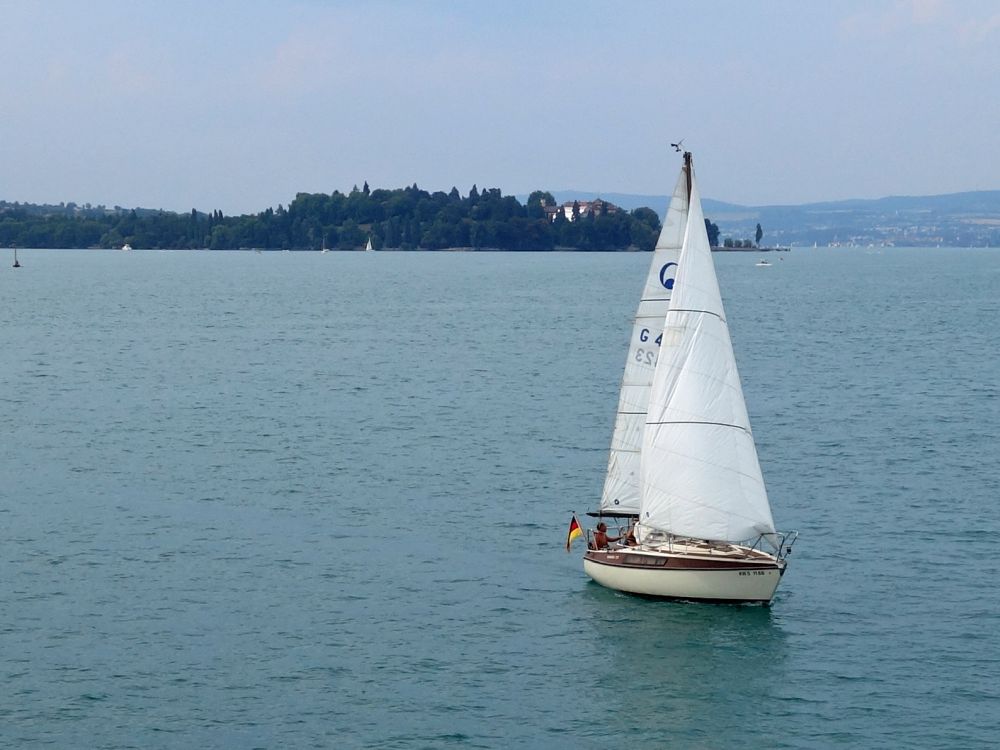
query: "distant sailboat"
683, 464
368, 247
324, 249
16, 263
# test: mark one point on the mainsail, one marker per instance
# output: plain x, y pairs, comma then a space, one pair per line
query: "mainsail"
700, 476
621, 484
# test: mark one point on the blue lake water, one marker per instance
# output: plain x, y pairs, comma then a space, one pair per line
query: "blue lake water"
317, 500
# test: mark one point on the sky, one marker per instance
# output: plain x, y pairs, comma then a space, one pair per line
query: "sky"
237, 105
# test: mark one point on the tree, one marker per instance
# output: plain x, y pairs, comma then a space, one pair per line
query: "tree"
713, 233
642, 235
350, 236
400, 218
647, 216
760, 233
537, 203
543, 197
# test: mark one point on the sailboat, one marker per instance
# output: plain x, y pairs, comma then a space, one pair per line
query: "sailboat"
16, 263
683, 465
324, 249
368, 247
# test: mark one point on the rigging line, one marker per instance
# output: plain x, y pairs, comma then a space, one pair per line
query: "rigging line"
695, 421
705, 312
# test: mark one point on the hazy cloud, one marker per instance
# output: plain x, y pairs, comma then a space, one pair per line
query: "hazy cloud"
239, 105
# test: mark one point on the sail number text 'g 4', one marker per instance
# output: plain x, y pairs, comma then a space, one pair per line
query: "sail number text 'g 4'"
648, 356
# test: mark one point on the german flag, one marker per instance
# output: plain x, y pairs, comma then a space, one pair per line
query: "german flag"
574, 532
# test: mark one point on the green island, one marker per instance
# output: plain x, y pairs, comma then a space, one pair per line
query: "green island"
400, 219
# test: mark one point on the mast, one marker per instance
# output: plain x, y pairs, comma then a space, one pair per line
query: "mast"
687, 171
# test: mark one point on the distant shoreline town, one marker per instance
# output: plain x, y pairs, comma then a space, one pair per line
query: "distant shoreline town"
414, 219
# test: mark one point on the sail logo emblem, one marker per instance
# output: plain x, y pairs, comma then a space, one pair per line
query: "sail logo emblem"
667, 275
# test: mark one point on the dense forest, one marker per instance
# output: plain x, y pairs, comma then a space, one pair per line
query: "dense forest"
405, 219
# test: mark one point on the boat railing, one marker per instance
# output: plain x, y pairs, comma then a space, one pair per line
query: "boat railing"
780, 541
776, 544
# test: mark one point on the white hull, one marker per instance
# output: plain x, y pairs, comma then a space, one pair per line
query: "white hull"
737, 582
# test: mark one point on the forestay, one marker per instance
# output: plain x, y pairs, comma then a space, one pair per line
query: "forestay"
621, 484
700, 476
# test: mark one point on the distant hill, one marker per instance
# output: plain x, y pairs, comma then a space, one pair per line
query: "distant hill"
632, 201
970, 218
410, 218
